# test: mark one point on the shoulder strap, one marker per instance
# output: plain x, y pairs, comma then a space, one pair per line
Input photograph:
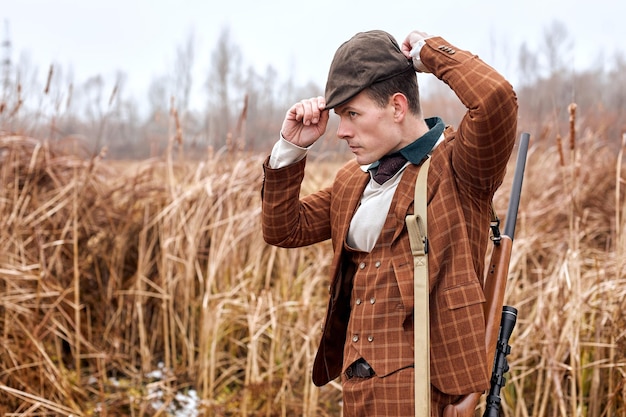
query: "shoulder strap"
416, 226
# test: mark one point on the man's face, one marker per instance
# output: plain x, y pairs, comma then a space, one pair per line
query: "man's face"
369, 130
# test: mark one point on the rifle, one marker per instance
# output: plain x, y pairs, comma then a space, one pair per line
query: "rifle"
494, 287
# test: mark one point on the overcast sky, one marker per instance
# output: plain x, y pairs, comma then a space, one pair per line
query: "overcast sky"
140, 37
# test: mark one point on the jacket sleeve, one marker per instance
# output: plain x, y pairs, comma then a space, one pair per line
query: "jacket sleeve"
486, 134
287, 220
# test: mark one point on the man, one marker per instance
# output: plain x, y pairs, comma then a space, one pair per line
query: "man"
368, 334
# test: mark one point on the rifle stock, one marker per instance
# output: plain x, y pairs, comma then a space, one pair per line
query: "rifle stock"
495, 283
495, 286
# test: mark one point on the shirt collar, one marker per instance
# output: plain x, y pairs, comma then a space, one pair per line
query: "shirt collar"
416, 151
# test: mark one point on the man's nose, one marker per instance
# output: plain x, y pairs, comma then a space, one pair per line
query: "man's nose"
343, 132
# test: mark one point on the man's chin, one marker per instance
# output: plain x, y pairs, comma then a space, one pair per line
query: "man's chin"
361, 160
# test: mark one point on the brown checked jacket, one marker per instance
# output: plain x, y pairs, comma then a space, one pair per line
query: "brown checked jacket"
465, 171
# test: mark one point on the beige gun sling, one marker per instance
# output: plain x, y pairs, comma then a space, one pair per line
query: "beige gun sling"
416, 226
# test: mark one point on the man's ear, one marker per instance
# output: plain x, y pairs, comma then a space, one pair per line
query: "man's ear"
400, 106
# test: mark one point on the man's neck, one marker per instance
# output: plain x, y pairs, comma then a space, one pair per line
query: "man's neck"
424, 141
416, 128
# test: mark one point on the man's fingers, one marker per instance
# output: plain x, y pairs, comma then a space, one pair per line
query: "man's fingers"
412, 38
309, 111
321, 102
305, 121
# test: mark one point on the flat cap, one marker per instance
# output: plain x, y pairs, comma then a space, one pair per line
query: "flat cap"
363, 60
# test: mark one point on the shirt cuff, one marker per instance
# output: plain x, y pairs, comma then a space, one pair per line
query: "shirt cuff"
415, 54
285, 153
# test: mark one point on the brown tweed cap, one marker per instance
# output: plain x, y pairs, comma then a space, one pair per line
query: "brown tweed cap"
365, 59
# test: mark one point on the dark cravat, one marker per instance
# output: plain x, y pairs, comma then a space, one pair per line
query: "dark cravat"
388, 166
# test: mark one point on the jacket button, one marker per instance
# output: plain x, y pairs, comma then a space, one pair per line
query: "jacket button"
362, 265
377, 264
372, 300
370, 338
358, 301
355, 338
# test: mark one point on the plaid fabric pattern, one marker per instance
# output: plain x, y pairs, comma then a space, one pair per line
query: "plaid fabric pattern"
388, 396
465, 171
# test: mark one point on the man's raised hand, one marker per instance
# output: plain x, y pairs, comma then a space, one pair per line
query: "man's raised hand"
305, 122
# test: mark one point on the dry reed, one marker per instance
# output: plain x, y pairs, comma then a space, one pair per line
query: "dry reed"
568, 281
126, 285
110, 271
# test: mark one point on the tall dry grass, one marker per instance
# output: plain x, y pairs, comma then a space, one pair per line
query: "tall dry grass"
110, 271
568, 281
127, 287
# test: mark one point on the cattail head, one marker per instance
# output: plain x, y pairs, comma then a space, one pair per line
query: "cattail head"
572, 125
50, 72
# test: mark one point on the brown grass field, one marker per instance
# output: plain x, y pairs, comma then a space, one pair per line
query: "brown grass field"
145, 287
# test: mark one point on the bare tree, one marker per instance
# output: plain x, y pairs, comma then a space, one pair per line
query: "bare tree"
157, 96
6, 62
263, 113
224, 78
528, 66
183, 66
557, 45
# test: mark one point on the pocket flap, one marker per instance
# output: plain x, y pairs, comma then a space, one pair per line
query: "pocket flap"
464, 295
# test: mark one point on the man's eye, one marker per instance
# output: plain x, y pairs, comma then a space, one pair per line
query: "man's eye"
352, 114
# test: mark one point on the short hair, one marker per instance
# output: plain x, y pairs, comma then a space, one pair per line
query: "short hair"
405, 83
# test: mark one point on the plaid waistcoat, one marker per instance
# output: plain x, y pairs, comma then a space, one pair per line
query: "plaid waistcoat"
380, 328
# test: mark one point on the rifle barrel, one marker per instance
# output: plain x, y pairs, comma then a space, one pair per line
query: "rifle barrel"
516, 188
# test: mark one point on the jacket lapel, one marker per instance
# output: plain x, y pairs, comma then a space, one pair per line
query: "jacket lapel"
350, 191
403, 198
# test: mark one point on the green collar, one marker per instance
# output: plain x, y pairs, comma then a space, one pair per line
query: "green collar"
416, 151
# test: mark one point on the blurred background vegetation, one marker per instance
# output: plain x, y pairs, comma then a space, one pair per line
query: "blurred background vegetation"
238, 102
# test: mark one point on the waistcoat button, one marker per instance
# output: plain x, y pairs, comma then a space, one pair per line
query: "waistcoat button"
362, 265
372, 300
370, 338
355, 338
377, 264
358, 301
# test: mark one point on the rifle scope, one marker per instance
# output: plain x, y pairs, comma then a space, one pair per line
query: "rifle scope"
500, 364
